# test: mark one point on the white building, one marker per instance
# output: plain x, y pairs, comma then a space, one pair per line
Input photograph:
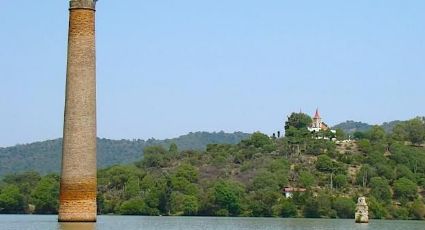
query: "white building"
318, 124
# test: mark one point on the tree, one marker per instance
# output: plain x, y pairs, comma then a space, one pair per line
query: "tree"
415, 130
376, 134
262, 201
176, 203
364, 145
173, 148
412, 130
399, 132
385, 170
364, 175
306, 179
340, 181
154, 149
324, 163
311, 208
117, 176
11, 200
417, 210
297, 133
400, 213
46, 194
25, 181
154, 193
189, 172
376, 209
344, 207
154, 157
134, 206
359, 135
190, 205
405, 189
380, 189
340, 134
298, 121
285, 208
260, 140
184, 204
228, 196
153, 160
183, 185
404, 171
265, 179
324, 202
297, 139
132, 188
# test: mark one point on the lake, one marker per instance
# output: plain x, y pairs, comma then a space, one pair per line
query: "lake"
49, 222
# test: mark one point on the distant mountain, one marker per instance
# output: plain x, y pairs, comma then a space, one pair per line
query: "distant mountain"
44, 157
353, 126
388, 126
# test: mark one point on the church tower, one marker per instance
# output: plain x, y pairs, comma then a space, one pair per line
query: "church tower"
78, 175
317, 120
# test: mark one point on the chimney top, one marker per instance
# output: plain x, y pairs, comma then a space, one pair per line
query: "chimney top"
82, 4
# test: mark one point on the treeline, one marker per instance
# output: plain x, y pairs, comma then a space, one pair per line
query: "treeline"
44, 157
351, 127
246, 179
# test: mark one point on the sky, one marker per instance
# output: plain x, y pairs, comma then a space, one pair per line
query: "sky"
169, 67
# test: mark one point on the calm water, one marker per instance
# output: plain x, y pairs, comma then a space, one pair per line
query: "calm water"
34, 222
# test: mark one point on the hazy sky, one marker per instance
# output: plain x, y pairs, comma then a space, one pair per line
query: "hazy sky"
168, 67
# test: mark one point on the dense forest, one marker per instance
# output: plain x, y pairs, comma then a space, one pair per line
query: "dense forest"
246, 179
44, 157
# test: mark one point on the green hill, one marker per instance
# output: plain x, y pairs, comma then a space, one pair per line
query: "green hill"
44, 157
248, 180
253, 178
388, 126
351, 127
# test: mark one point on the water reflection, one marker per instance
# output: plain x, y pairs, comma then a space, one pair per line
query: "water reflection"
36, 222
77, 226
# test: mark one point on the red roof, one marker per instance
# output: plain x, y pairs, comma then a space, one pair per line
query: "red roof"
291, 189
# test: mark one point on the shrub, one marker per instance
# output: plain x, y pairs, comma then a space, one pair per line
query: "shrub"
133, 207
405, 189
417, 210
380, 189
285, 208
345, 207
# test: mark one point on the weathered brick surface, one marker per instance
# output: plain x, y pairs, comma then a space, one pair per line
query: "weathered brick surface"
78, 178
89, 4
78, 200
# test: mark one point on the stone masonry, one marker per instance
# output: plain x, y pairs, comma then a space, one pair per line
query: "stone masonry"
78, 177
362, 211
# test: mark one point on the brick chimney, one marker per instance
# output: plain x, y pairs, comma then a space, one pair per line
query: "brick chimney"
78, 176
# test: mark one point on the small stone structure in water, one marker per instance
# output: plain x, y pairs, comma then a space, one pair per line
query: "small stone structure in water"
362, 211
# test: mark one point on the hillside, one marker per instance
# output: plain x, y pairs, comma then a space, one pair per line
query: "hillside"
247, 179
351, 127
44, 157
388, 126
300, 175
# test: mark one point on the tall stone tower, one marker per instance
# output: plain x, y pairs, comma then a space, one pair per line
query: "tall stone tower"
78, 178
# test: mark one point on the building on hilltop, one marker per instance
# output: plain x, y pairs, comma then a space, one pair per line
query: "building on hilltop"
318, 125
